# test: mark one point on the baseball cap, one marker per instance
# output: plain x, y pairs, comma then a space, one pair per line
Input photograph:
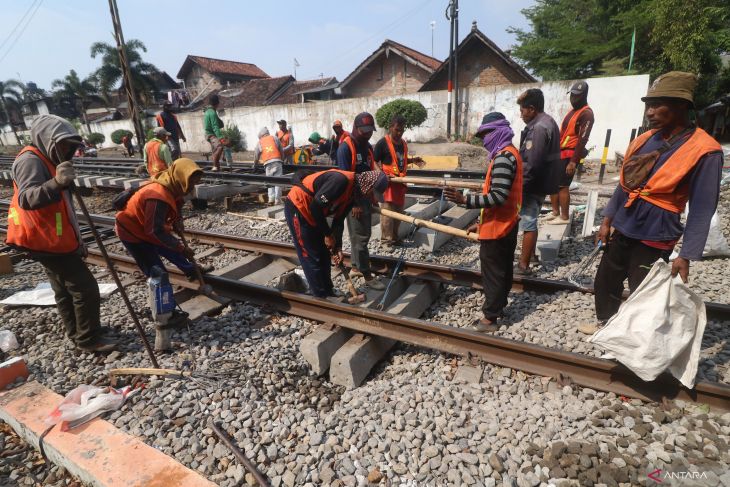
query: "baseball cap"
281, 121
365, 122
337, 123
159, 131
491, 117
579, 88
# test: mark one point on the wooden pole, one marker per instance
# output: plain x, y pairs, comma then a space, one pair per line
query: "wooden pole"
456, 232
439, 182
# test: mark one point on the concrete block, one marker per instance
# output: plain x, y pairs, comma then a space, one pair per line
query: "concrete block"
133, 183
271, 211
97, 453
12, 369
273, 270
469, 374
318, 347
6, 264
424, 211
550, 237
590, 214
247, 265
459, 218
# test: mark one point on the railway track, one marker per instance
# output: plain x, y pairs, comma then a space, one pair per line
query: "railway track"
566, 367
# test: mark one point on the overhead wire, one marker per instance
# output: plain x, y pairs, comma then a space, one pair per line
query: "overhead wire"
22, 30
5, 41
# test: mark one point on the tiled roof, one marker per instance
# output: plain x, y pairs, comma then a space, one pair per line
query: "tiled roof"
221, 67
255, 92
290, 95
429, 61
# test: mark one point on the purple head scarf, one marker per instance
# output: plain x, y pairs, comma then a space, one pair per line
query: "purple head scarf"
498, 137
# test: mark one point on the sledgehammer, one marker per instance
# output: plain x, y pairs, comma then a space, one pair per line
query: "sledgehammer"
355, 297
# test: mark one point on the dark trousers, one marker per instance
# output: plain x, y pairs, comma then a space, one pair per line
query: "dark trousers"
360, 230
389, 226
77, 296
148, 255
313, 253
497, 258
623, 258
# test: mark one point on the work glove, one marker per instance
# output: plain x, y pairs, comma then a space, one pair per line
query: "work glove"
65, 174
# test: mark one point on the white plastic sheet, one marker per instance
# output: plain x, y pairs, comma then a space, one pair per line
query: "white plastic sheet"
85, 403
658, 328
42, 295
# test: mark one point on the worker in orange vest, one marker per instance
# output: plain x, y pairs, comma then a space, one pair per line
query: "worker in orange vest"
500, 202
664, 168
286, 137
270, 153
391, 154
146, 223
574, 134
42, 222
157, 156
310, 202
169, 121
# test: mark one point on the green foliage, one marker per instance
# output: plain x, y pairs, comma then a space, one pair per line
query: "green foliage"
413, 111
95, 138
109, 74
77, 92
583, 38
235, 137
118, 134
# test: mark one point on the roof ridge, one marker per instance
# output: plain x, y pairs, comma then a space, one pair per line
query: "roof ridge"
223, 60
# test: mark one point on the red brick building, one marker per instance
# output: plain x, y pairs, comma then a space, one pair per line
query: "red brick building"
204, 74
393, 69
480, 62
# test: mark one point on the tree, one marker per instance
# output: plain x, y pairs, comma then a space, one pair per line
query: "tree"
11, 99
110, 75
413, 111
81, 92
583, 38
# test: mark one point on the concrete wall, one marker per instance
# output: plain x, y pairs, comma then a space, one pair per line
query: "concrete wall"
616, 102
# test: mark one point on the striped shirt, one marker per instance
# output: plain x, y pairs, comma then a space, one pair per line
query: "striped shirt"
504, 167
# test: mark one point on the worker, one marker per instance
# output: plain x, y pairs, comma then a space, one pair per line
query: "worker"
127, 143
500, 203
146, 223
664, 168
321, 145
286, 137
310, 202
391, 154
42, 222
540, 152
213, 126
355, 154
336, 139
169, 121
574, 134
269, 152
157, 156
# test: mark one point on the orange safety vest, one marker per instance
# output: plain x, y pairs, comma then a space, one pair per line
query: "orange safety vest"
155, 163
394, 169
48, 229
132, 217
284, 138
665, 188
568, 136
497, 221
353, 153
269, 150
302, 198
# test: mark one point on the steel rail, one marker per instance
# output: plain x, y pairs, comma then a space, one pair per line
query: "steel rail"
581, 370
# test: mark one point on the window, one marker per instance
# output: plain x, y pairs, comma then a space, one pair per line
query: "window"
380, 77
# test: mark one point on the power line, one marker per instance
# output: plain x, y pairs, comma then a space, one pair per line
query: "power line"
22, 30
5, 41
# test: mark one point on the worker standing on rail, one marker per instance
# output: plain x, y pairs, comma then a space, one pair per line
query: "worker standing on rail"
310, 202
42, 222
286, 137
270, 153
213, 126
146, 223
157, 156
540, 151
169, 121
574, 134
355, 154
664, 168
500, 203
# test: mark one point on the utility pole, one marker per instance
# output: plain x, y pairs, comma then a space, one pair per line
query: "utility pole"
450, 12
128, 87
456, 69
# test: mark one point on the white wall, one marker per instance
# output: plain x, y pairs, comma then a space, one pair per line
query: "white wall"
616, 102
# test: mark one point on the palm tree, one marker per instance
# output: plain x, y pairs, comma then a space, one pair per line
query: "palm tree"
11, 97
82, 92
109, 73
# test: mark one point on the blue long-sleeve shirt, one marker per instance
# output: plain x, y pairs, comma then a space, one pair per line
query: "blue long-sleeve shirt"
645, 221
344, 157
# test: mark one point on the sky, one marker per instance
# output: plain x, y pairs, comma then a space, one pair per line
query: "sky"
328, 38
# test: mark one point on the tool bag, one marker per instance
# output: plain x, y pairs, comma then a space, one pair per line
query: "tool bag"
637, 168
119, 202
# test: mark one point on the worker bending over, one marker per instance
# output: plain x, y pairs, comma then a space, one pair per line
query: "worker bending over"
270, 153
311, 200
391, 154
157, 155
664, 168
146, 223
42, 222
500, 203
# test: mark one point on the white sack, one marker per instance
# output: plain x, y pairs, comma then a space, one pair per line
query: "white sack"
716, 244
659, 327
42, 295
